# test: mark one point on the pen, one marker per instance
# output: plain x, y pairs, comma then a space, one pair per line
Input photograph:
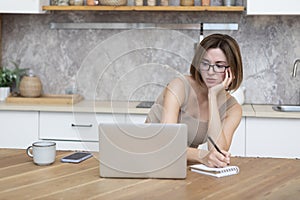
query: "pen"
217, 148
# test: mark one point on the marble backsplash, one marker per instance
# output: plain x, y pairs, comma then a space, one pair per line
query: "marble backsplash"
137, 64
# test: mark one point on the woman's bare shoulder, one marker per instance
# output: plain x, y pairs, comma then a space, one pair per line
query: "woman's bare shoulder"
178, 82
236, 109
181, 80
177, 87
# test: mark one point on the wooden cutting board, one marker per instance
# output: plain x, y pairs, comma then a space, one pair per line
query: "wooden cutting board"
47, 99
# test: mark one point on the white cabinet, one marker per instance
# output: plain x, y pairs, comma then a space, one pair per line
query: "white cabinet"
271, 137
19, 129
273, 7
255, 136
74, 131
68, 126
135, 118
237, 147
23, 6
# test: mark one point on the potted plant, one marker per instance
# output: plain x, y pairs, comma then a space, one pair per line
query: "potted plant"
7, 79
19, 73
10, 80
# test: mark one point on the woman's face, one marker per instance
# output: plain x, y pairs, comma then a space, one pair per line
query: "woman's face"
213, 57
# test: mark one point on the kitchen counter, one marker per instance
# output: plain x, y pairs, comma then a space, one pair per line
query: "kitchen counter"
83, 106
249, 110
259, 178
267, 111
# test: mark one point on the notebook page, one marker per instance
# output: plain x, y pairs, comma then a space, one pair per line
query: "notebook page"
216, 172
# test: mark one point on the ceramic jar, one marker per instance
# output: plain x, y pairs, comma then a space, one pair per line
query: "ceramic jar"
187, 2
30, 86
205, 2
92, 2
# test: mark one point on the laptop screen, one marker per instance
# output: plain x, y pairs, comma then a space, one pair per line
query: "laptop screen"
142, 150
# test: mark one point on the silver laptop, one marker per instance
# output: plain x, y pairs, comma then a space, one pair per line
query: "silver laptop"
143, 150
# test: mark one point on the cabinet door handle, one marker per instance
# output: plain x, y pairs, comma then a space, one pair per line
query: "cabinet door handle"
81, 125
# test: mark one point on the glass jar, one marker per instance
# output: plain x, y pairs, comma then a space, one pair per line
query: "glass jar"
138, 2
229, 2
164, 2
75, 2
54, 2
63, 2
151, 2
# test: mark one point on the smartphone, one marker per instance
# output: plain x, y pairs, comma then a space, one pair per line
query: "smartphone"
76, 157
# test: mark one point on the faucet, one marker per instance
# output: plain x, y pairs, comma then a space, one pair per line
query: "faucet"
295, 67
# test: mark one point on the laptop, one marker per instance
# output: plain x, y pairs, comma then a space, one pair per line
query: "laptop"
143, 150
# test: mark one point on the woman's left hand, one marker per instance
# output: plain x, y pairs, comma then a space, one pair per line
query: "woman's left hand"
228, 78
225, 83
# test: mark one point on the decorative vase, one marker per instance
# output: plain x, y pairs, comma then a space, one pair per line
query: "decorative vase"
30, 86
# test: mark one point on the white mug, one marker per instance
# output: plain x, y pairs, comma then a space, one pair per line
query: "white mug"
43, 153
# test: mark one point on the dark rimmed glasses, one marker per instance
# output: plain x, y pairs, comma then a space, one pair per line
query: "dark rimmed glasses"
205, 66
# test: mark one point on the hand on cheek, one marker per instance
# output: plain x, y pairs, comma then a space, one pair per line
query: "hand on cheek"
227, 79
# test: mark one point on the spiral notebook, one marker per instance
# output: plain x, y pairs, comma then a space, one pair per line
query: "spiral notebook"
216, 172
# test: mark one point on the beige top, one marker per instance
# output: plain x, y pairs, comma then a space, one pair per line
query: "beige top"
189, 114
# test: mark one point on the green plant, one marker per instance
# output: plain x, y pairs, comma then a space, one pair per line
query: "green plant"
7, 77
19, 73
12, 77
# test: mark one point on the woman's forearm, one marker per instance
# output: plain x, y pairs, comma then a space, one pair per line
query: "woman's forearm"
215, 126
195, 155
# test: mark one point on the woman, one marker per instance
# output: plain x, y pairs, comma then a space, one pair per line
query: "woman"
203, 102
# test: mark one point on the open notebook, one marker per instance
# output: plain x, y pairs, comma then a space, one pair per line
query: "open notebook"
216, 172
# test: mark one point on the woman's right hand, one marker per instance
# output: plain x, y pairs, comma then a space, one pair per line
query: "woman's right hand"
216, 159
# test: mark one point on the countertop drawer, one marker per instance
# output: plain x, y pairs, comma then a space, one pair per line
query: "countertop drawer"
18, 128
73, 126
276, 138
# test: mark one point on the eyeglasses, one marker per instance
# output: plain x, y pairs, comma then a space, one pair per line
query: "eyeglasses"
204, 66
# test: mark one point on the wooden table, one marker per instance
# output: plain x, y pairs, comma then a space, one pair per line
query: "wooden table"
259, 178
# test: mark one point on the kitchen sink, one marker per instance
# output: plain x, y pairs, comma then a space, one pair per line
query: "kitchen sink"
145, 104
287, 108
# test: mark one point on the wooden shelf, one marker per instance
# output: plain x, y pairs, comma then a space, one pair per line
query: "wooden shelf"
146, 8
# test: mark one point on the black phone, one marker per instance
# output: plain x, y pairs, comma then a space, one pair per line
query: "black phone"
76, 157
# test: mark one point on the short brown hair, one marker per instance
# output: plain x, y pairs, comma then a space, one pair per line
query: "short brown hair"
232, 52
